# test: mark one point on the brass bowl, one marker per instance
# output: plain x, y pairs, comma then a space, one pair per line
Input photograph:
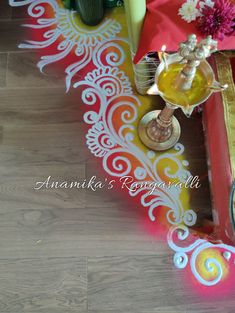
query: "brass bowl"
207, 72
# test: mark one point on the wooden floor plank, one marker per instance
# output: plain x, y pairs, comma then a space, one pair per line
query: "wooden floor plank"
3, 69
24, 64
35, 106
12, 34
113, 283
61, 220
5, 10
215, 307
18, 185
42, 144
143, 284
43, 285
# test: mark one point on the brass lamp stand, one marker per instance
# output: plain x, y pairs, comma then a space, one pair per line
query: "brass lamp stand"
160, 130
190, 80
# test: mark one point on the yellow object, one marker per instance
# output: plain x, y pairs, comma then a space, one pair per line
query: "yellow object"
186, 98
226, 76
135, 13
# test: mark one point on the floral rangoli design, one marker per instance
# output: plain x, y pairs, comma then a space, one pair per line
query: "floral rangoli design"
113, 111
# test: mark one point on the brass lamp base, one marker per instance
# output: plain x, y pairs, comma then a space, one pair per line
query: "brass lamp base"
164, 142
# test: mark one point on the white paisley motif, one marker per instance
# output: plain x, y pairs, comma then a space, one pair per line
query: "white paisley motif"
108, 94
112, 81
98, 141
181, 257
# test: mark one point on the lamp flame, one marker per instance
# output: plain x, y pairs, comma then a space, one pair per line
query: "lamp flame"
162, 56
161, 53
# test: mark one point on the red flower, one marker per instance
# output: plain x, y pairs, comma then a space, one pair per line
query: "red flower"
217, 20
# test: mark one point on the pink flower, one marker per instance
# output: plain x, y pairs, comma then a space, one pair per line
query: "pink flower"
217, 20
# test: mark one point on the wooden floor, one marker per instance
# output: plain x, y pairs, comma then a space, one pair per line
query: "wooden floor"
67, 250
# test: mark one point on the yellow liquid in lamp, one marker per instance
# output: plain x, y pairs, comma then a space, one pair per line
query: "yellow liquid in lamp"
187, 98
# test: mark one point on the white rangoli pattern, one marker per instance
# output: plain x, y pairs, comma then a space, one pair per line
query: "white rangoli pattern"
110, 88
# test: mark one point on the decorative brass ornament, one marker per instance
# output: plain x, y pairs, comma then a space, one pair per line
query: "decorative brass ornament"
225, 74
183, 80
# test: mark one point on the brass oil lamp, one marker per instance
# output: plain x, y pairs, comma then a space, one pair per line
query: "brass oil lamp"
183, 80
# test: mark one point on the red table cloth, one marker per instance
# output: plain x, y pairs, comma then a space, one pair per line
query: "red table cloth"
163, 26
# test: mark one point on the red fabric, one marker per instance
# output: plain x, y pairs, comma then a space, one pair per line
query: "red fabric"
163, 26
221, 175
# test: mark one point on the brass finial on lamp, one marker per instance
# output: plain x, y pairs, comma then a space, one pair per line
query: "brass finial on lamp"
184, 80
